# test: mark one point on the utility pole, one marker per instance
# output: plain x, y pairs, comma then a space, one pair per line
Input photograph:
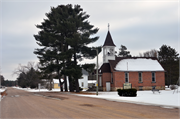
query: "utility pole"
97, 74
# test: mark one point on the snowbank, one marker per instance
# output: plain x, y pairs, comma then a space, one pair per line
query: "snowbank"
2, 90
37, 90
165, 99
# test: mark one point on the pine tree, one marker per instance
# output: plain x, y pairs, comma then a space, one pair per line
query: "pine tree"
79, 39
89, 67
64, 36
123, 52
1, 80
168, 57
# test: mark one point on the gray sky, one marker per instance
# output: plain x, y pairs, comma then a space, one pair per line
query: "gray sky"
140, 25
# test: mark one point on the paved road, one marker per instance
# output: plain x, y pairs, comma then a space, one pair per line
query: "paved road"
21, 104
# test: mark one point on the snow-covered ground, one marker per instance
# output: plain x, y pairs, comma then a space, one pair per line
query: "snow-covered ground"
166, 98
2, 90
37, 90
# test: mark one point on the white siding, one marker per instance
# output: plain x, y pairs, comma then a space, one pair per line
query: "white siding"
84, 80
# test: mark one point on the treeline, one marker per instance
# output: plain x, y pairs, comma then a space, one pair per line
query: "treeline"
7, 83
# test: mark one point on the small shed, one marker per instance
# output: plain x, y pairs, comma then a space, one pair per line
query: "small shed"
56, 84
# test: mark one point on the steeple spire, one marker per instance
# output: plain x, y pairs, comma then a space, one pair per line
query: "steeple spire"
108, 40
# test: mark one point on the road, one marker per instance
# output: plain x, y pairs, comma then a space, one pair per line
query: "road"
28, 105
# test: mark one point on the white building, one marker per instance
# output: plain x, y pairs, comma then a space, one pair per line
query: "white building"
83, 82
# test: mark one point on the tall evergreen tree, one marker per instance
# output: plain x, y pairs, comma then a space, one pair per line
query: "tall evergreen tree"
1, 80
66, 33
168, 57
89, 67
166, 53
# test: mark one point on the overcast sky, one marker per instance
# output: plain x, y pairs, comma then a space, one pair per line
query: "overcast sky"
140, 25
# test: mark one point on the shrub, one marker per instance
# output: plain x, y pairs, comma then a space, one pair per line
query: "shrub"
23, 86
127, 92
80, 89
173, 87
32, 86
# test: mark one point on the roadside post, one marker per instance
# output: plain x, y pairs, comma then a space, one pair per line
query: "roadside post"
39, 86
97, 74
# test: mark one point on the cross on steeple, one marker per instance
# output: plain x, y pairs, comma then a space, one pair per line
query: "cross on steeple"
108, 26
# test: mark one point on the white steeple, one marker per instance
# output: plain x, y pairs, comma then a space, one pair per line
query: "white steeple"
108, 48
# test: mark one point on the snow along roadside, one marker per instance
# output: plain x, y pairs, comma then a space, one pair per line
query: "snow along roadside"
165, 99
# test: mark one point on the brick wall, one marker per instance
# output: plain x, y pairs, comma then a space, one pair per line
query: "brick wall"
106, 77
119, 80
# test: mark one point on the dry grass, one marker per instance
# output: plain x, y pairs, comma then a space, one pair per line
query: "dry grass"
3, 93
84, 93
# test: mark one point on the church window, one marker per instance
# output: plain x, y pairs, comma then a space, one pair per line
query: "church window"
153, 77
126, 77
140, 76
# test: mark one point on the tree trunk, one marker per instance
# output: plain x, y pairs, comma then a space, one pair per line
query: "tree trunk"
50, 87
71, 89
77, 85
65, 79
65, 83
60, 83
76, 80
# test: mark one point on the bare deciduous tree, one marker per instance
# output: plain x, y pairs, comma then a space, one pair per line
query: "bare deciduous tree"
151, 53
27, 75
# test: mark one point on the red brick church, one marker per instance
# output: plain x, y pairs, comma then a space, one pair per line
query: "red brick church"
142, 73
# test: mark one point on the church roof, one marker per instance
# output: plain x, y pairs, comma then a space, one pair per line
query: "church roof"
109, 41
105, 68
132, 64
139, 64
84, 72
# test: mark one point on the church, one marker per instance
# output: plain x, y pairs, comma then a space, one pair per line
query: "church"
142, 73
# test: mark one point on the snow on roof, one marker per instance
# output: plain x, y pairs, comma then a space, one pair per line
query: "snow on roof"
91, 81
57, 80
139, 64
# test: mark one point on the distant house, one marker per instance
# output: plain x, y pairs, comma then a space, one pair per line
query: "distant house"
135, 72
56, 84
83, 82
